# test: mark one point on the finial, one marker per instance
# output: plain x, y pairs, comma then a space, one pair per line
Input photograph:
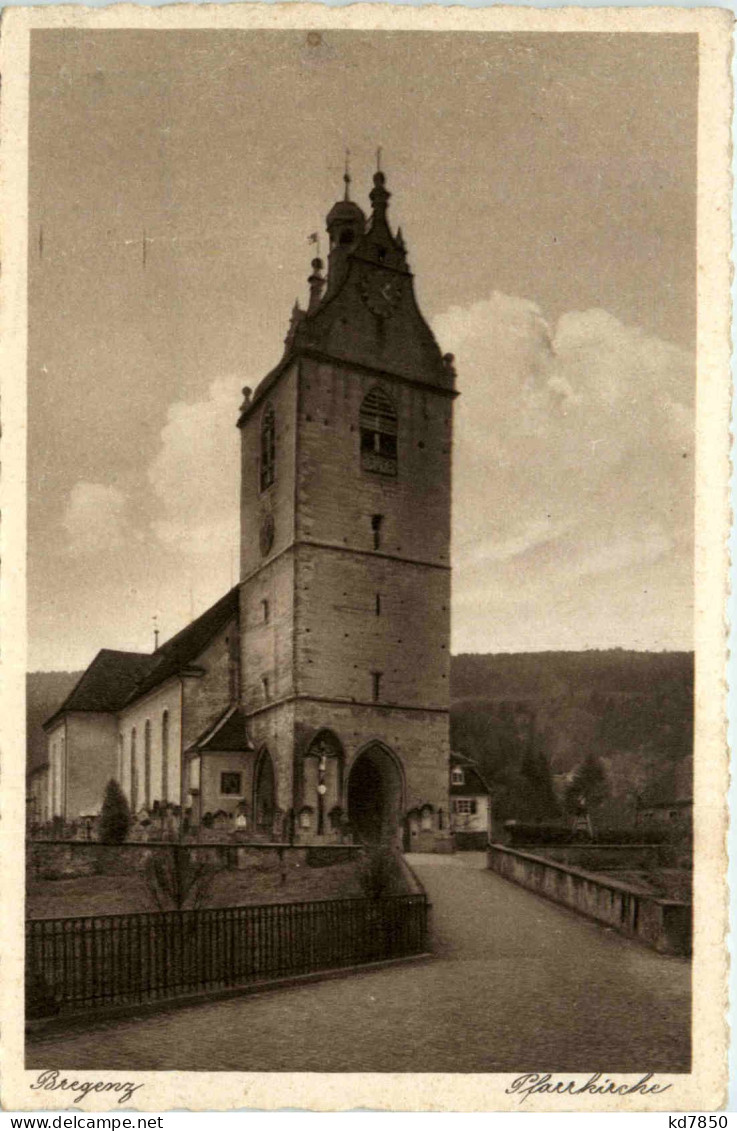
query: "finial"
317, 283
379, 195
156, 631
294, 320
347, 175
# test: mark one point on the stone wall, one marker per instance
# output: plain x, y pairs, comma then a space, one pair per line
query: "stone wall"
277, 499
66, 859
267, 633
662, 924
205, 697
602, 857
419, 739
341, 639
336, 499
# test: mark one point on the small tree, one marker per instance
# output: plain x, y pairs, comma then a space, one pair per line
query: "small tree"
115, 818
536, 797
377, 873
589, 786
174, 878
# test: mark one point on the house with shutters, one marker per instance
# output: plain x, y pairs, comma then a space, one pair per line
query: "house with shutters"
470, 804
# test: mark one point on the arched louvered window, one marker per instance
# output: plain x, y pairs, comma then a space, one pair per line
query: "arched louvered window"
267, 462
378, 423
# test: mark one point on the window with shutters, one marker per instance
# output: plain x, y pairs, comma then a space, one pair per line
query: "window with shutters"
378, 426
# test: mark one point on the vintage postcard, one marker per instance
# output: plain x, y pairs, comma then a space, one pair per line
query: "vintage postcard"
365, 458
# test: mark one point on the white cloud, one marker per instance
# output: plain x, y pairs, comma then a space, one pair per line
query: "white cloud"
195, 473
573, 473
94, 518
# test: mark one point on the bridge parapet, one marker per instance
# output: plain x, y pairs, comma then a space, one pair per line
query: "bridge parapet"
664, 924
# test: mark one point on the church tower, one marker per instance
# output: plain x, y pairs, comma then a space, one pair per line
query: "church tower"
345, 553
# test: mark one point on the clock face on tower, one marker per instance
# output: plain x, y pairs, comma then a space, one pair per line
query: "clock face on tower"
381, 291
266, 532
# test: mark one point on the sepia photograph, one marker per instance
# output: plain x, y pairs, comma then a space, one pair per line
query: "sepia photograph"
364, 489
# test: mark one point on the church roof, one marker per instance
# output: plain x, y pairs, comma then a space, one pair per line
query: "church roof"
174, 655
354, 322
115, 679
106, 684
228, 732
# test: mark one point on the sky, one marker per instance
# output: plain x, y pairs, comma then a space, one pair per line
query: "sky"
545, 185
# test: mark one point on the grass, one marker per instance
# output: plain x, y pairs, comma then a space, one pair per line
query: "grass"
125, 894
664, 883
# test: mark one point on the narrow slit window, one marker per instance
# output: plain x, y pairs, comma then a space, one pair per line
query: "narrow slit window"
265, 611
267, 462
265, 687
134, 773
378, 426
165, 757
378, 604
376, 521
376, 676
147, 764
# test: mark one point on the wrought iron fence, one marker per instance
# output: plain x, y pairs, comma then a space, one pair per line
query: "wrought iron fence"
97, 960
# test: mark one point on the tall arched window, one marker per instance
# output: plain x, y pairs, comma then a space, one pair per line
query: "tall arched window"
165, 757
267, 462
378, 423
264, 794
147, 764
134, 773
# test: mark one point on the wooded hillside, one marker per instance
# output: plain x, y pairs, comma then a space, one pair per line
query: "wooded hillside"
45, 691
633, 711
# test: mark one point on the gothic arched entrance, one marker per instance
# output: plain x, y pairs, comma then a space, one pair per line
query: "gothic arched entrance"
375, 795
264, 794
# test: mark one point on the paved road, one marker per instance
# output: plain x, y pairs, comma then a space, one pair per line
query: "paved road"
518, 984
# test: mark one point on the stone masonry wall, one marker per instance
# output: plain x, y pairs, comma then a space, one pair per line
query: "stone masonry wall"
419, 739
206, 697
336, 499
274, 729
279, 498
266, 644
341, 640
